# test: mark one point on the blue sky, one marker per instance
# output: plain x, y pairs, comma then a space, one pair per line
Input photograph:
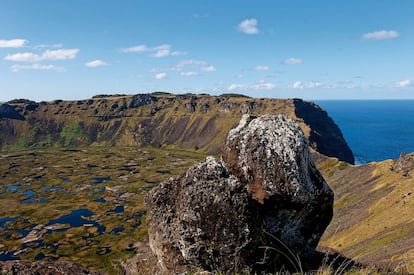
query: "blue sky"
75, 49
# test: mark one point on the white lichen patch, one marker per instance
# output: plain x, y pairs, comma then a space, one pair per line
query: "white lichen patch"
282, 140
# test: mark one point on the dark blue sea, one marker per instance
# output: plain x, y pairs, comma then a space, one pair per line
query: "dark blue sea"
374, 129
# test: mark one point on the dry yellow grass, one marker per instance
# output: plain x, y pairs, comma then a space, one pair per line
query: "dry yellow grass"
373, 220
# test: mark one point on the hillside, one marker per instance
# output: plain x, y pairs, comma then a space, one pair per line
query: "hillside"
198, 122
373, 221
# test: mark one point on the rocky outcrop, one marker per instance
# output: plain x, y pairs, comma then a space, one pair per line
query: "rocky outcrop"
261, 207
141, 100
7, 111
404, 164
325, 136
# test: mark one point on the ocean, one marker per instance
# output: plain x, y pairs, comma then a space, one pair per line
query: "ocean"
375, 130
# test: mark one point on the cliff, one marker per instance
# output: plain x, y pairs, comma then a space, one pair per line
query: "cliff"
198, 122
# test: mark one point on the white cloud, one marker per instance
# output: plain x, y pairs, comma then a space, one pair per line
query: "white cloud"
403, 83
36, 66
380, 35
160, 76
210, 68
309, 85
347, 84
237, 87
249, 26
42, 46
12, 43
178, 53
292, 61
61, 54
95, 63
188, 73
297, 85
161, 51
262, 85
136, 49
190, 63
23, 57
261, 68
314, 84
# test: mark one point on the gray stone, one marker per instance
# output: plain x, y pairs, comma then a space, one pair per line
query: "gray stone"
259, 209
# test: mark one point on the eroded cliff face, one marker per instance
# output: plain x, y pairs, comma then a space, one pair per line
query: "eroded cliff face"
324, 136
262, 208
199, 122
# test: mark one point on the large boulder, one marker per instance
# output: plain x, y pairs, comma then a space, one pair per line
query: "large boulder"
263, 207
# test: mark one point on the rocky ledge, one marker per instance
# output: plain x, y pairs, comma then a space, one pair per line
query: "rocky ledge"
263, 207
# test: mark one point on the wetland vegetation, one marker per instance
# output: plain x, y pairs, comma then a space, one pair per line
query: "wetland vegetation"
84, 205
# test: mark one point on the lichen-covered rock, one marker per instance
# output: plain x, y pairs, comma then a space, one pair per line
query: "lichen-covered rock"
264, 201
270, 155
198, 216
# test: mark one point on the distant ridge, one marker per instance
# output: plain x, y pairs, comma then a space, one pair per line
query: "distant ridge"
190, 121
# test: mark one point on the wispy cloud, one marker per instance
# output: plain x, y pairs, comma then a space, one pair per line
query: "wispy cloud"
12, 43
403, 83
263, 85
160, 51
188, 73
62, 54
296, 85
95, 63
314, 84
237, 87
261, 68
190, 63
292, 61
210, 68
308, 85
52, 46
249, 26
135, 49
36, 66
178, 53
380, 35
160, 76
23, 57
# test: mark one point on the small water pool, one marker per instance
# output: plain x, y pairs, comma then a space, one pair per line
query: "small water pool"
99, 180
78, 218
